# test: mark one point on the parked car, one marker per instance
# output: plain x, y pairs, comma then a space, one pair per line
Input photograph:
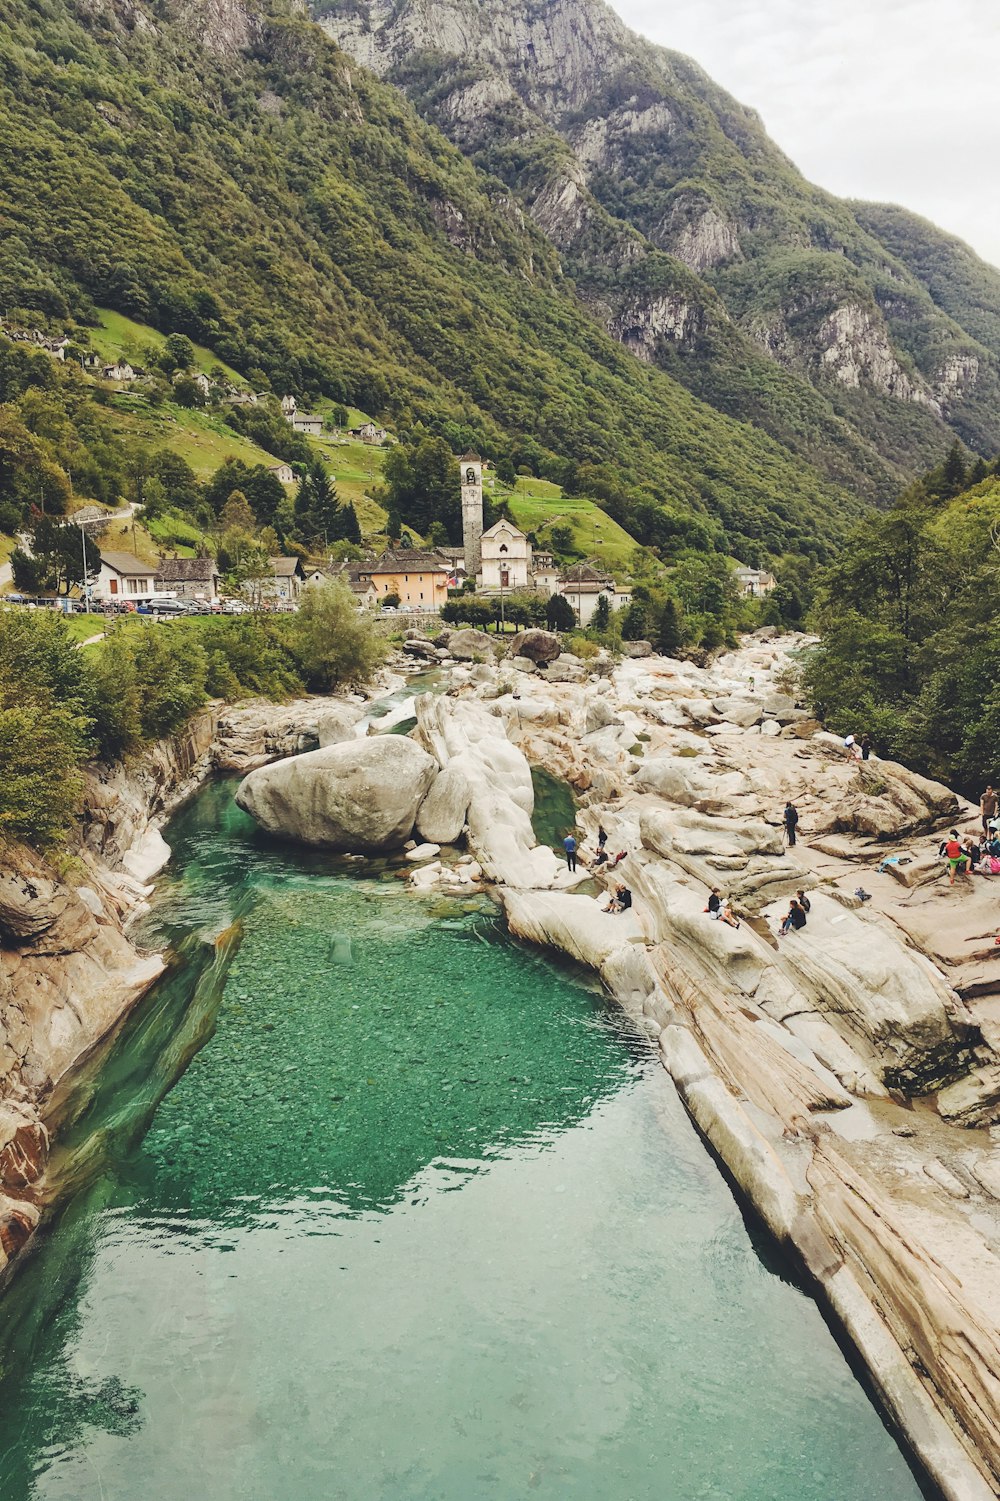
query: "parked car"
163, 607
197, 607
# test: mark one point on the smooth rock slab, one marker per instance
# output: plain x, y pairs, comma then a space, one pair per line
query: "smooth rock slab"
363, 795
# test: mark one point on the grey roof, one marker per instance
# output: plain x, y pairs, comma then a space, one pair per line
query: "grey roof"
286, 568
181, 570
128, 563
411, 561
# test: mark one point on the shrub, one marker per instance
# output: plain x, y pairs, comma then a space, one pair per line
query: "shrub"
333, 642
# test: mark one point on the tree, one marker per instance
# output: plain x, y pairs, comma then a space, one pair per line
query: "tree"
559, 613
561, 538
602, 615
393, 525
670, 632
59, 555
348, 527
334, 642
324, 508
635, 622
237, 513
423, 485
187, 392
953, 473
178, 353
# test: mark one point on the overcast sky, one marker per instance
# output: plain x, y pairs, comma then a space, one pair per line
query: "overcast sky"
895, 100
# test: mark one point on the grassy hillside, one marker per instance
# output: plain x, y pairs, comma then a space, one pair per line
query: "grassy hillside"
536, 505
117, 337
248, 186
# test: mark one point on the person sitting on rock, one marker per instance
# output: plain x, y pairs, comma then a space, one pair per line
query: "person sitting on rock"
619, 858
719, 911
955, 856
794, 918
601, 858
804, 901
973, 852
622, 900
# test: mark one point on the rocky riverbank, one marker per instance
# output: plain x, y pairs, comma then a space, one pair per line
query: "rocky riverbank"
847, 1075
69, 970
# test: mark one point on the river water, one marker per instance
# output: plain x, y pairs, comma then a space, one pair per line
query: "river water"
421, 1220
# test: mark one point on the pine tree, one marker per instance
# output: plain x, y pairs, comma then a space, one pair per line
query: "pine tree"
325, 510
304, 502
350, 525
954, 471
670, 635
394, 525
602, 615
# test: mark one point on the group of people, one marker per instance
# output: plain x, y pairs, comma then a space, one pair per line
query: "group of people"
621, 901
573, 855
857, 750
795, 918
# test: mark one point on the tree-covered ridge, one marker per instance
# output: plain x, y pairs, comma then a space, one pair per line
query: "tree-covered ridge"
910, 621
252, 188
633, 160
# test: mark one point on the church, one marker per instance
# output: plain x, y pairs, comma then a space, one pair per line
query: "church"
500, 558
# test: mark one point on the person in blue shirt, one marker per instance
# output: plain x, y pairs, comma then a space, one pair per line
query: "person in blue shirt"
569, 845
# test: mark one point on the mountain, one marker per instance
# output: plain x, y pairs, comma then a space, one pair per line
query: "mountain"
695, 241
220, 169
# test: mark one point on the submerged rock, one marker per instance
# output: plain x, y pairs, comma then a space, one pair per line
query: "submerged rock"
360, 796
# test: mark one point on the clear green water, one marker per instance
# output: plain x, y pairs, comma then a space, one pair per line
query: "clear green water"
421, 1221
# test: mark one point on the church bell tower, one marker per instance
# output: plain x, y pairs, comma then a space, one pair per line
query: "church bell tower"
472, 512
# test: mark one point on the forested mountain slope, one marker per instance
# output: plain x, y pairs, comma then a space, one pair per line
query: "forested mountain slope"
693, 237
219, 168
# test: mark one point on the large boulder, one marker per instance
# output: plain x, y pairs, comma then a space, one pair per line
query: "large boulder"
416, 646
441, 815
337, 724
598, 716
360, 796
471, 646
538, 646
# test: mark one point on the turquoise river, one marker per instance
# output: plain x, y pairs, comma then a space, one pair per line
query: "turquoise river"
384, 1207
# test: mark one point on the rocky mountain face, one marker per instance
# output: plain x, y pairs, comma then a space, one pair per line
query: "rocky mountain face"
692, 236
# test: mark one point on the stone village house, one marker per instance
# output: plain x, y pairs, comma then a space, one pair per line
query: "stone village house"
189, 578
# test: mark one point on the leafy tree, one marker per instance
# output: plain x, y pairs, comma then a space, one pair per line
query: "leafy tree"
59, 555
237, 513
423, 485
334, 642
562, 539
559, 613
187, 392
635, 621
178, 353
602, 614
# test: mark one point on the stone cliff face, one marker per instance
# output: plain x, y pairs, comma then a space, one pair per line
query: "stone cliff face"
624, 152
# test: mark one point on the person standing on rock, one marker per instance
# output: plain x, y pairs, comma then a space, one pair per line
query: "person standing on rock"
602, 837
569, 845
790, 818
988, 808
866, 747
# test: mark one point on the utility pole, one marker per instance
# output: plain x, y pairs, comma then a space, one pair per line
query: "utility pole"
86, 572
